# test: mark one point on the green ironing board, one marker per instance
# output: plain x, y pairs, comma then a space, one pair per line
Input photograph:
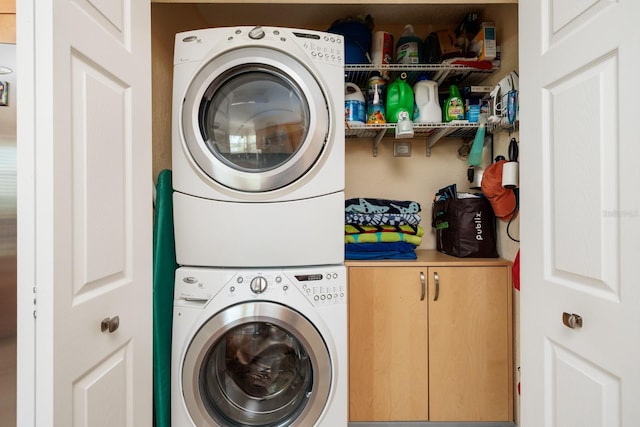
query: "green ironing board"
164, 266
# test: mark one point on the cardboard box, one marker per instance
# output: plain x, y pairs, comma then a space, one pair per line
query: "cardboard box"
484, 43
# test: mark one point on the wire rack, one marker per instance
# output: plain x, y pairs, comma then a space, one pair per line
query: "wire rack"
441, 73
432, 132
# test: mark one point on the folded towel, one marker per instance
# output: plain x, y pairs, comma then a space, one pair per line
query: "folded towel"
366, 205
391, 250
382, 237
380, 255
380, 219
381, 246
408, 229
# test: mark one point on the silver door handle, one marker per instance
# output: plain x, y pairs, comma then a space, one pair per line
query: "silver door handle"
572, 320
424, 286
110, 324
436, 280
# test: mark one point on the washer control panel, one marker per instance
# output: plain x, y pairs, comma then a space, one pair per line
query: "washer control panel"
320, 286
323, 288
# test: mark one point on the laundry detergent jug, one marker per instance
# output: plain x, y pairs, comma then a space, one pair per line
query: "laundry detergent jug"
355, 109
453, 106
409, 47
427, 105
400, 101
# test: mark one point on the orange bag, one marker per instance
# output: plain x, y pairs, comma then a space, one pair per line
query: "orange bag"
503, 200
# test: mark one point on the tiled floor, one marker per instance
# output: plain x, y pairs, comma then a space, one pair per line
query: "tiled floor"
8, 381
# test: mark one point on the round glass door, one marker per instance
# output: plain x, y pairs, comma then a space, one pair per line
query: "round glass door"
256, 364
255, 119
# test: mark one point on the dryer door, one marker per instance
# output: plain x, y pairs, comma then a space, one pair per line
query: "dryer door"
256, 364
255, 119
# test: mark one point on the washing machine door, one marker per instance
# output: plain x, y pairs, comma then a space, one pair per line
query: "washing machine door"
256, 364
255, 119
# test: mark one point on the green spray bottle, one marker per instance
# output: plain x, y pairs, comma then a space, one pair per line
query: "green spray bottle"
453, 106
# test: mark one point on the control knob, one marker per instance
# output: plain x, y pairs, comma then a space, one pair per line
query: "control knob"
256, 33
258, 285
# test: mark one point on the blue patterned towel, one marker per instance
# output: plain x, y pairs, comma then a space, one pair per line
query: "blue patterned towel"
381, 206
381, 219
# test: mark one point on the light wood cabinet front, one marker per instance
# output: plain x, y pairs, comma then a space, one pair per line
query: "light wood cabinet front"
444, 358
470, 375
388, 378
7, 21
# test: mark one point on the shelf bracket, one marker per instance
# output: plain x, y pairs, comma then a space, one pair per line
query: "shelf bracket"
436, 136
441, 76
376, 141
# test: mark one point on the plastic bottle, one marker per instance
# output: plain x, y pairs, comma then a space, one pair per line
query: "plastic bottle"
475, 155
409, 47
428, 106
376, 98
453, 106
399, 100
355, 110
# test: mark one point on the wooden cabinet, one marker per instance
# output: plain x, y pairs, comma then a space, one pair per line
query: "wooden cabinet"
7, 21
388, 344
470, 372
442, 354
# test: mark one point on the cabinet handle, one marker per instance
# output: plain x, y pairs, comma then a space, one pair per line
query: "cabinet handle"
436, 279
424, 286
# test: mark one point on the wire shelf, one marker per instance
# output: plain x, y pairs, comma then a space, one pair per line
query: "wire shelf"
441, 73
433, 132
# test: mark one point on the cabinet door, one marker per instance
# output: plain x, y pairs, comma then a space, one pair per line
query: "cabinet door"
387, 344
470, 372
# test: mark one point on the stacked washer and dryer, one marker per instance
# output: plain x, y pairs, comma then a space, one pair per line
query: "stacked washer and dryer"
260, 318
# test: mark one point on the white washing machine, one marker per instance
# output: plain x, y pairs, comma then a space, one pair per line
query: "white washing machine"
258, 147
255, 347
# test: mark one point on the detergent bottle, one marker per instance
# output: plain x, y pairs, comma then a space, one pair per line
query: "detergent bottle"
427, 103
409, 47
355, 110
453, 106
399, 100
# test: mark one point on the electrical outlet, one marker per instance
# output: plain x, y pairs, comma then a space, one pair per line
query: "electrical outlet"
401, 149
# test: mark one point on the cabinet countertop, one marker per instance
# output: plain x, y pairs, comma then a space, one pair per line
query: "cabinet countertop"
430, 258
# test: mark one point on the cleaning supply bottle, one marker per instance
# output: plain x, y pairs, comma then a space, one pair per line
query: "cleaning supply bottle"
355, 110
376, 99
399, 100
475, 154
409, 47
428, 109
453, 106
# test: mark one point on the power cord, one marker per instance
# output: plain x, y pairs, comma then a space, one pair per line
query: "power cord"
513, 214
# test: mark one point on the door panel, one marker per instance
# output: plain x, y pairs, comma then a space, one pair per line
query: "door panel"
387, 344
86, 234
470, 344
580, 211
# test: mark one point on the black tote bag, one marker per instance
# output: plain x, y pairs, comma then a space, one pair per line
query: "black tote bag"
465, 227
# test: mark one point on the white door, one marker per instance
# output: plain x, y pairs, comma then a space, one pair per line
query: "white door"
580, 224
84, 208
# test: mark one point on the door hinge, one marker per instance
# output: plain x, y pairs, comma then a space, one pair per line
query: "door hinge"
35, 302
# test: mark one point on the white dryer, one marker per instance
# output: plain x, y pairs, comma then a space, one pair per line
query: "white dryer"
259, 348
258, 147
